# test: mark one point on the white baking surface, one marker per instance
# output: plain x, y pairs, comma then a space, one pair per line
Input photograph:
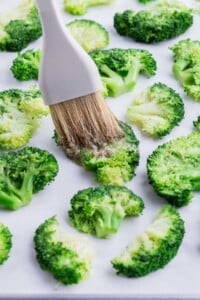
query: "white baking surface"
21, 276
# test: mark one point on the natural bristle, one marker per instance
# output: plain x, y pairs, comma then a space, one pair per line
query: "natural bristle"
85, 122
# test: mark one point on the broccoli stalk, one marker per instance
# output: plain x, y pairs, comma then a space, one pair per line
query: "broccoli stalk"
80, 7
5, 243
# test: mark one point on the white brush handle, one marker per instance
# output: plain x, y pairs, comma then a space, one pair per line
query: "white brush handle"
66, 70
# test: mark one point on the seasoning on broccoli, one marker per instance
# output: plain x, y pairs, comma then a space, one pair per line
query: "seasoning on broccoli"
24, 173
161, 21
26, 65
120, 68
101, 210
173, 169
80, 7
67, 257
157, 110
20, 27
89, 34
186, 67
5, 243
20, 114
154, 248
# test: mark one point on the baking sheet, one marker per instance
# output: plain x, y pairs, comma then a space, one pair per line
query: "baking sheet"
21, 277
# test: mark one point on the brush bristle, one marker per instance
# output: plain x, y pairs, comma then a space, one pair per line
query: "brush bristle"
86, 121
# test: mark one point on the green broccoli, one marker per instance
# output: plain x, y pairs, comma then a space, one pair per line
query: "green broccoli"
113, 163
80, 7
144, 1
89, 34
173, 169
186, 67
20, 114
119, 68
157, 110
196, 124
154, 248
26, 65
67, 257
101, 210
19, 28
5, 243
24, 173
161, 21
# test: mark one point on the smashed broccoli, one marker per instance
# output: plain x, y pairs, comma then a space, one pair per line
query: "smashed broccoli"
186, 67
20, 27
5, 243
67, 257
161, 21
26, 65
24, 173
89, 34
157, 110
173, 169
80, 7
154, 248
20, 114
101, 210
120, 68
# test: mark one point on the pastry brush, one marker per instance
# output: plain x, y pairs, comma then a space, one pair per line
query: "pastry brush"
71, 86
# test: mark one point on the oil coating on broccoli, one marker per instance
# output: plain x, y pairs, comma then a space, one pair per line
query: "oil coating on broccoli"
153, 249
173, 169
101, 210
80, 7
186, 67
67, 257
24, 173
89, 34
20, 27
157, 110
20, 114
5, 243
161, 21
120, 68
26, 65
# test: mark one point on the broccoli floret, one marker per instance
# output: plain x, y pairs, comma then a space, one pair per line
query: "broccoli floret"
5, 243
161, 21
80, 7
144, 1
101, 210
26, 65
120, 68
173, 169
67, 257
157, 110
186, 67
113, 163
19, 28
89, 34
20, 114
154, 248
196, 124
24, 173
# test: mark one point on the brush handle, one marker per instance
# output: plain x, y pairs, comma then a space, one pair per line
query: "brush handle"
66, 70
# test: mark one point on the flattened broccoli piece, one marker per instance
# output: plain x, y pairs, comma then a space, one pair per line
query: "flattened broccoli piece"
186, 67
89, 34
161, 21
80, 7
157, 110
101, 210
5, 243
24, 173
26, 65
67, 257
20, 27
113, 163
174, 169
154, 248
120, 68
20, 114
